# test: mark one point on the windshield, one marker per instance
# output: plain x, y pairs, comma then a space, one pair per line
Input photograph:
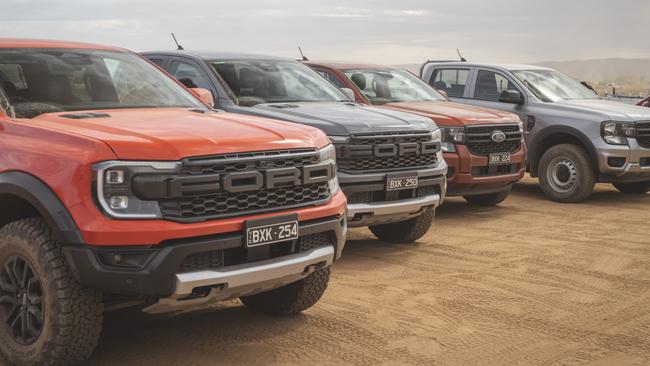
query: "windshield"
382, 86
255, 82
553, 86
37, 81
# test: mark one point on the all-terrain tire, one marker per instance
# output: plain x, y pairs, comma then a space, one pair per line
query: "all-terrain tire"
405, 231
633, 188
71, 315
292, 298
490, 199
566, 174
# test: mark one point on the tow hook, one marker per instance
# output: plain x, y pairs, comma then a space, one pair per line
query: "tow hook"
314, 267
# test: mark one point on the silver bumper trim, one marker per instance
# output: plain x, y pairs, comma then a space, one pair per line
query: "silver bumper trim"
244, 279
403, 207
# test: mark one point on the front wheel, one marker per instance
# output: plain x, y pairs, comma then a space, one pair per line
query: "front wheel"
633, 188
491, 199
405, 231
292, 298
49, 319
566, 174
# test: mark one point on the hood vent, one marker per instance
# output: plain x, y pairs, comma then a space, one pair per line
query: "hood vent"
85, 115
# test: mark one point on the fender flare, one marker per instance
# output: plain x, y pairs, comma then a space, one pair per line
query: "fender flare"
45, 201
535, 153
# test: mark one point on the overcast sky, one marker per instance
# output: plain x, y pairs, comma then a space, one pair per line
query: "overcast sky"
395, 32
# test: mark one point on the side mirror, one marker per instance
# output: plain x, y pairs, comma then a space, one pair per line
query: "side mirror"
204, 95
443, 93
349, 93
511, 96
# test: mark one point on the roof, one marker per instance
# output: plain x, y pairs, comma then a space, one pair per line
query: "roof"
347, 65
217, 55
510, 67
42, 43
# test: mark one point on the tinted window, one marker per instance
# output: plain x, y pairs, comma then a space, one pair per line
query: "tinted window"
382, 86
46, 81
331, 77
451, 81
189, 75
274, 81
490, 85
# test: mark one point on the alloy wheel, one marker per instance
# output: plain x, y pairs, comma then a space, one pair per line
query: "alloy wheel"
21, 300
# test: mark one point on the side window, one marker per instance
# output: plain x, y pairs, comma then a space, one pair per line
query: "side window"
490, 85
451, 81
331, 77
189, 75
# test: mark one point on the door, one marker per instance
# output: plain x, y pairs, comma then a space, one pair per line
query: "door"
190, 75
488, 86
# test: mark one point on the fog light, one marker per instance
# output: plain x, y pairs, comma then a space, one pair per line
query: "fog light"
616, 162
119, 202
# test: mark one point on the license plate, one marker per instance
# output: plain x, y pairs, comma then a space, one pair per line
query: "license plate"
399, 182
499, 158
272, 230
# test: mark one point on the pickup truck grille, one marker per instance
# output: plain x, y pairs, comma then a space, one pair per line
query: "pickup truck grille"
387, 152
479, 141
195, 204
643, 134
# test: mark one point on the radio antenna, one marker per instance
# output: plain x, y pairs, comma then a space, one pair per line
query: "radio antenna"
301, 54
178, 46
462, 59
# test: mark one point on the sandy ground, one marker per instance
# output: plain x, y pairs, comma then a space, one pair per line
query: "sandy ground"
529, 282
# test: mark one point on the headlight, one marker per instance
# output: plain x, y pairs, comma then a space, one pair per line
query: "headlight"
328, 154
616, 133
452, 136
113, 183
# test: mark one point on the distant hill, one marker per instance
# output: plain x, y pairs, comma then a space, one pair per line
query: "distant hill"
605, 70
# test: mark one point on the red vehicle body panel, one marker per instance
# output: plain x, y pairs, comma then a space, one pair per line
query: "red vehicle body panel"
445, 113
62, 151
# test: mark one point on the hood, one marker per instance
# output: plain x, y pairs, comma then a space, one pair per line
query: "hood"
608, 110
174, 134
446, 113
342, 119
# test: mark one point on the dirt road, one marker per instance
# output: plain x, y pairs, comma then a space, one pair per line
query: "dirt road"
530, 282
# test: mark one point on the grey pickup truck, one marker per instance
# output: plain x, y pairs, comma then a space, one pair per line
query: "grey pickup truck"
390, 163
575, 139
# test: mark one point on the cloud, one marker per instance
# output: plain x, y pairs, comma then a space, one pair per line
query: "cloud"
407, 31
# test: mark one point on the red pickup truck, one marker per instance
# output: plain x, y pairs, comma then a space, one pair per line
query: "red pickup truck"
484, 148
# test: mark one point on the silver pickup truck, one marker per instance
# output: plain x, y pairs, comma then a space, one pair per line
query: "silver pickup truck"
575, 139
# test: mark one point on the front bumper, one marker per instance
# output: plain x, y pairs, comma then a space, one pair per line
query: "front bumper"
636, 166
395, 210
159, 275
463, 179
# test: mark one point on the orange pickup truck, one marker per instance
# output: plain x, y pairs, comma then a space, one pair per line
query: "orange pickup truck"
118, 186
483, 148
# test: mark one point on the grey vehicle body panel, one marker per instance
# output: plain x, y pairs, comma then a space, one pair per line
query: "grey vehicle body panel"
581, 119
334, 118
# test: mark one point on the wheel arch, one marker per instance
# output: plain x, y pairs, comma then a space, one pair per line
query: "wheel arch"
557, 135
23, 195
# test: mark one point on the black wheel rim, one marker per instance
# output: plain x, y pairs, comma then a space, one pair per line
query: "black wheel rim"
21, 300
